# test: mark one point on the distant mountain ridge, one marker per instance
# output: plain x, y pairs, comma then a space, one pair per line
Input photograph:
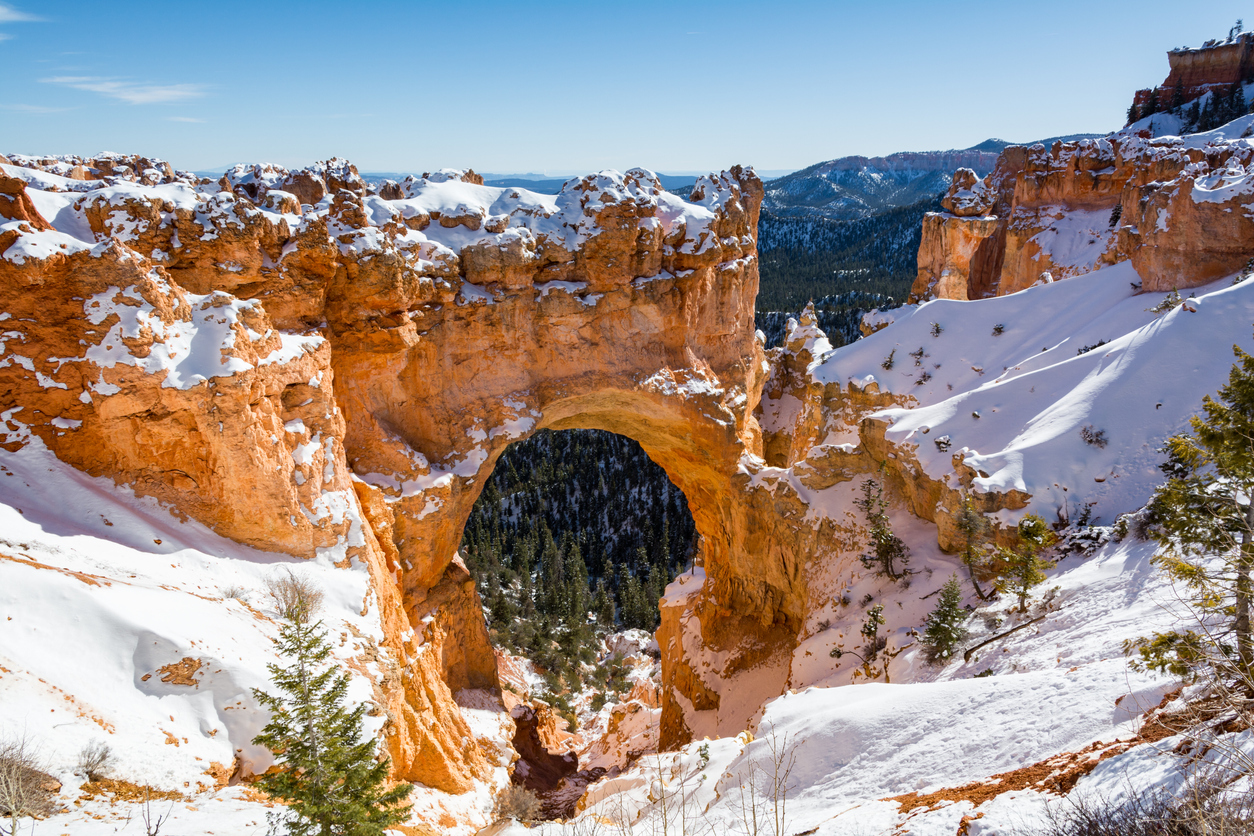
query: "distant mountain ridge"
857, 186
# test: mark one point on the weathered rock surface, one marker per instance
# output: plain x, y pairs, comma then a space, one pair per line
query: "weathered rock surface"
1214, 66
1078, 206
15, 204
338, 377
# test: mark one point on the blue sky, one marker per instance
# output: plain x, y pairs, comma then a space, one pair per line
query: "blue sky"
566, 87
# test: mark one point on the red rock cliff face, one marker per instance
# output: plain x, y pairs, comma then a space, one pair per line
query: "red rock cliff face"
1078, 206
1216, 65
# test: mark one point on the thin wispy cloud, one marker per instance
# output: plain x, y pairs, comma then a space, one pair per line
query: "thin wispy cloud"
184, 119
129, 91
8, 14
30, 108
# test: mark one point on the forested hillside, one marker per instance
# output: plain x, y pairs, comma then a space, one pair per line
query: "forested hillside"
839, 316
576, 532
809, 258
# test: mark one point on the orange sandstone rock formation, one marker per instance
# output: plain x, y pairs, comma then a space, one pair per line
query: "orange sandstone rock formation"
309, 367
1077, 206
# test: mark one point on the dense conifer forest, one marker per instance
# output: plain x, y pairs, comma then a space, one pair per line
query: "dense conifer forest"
809, 258
577, 532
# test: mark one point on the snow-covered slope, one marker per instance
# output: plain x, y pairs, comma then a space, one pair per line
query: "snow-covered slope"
1014, 405
126, 625
1062, 687
1062, 395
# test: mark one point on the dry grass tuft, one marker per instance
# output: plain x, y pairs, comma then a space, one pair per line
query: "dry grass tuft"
517, 802
94, 760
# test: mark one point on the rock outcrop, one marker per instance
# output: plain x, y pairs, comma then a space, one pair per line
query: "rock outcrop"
333, 375
1077, 206
1214, 66
335, 380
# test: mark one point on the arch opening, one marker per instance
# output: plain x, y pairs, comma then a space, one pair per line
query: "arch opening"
575, 527
571, 544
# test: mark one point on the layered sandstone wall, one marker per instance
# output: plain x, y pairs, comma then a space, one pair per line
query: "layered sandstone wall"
1215, 66
1047, 214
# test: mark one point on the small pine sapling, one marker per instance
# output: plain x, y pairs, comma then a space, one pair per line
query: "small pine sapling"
937, 329
876, 654
1025, 568
918, 356
1170, 301
887, 365
1115, 215
1249, 265
998, 330
944, 629
974, 529
1087, 348
1093, 436
871, 632
888, 550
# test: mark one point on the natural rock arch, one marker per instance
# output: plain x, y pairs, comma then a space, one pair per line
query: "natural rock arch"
336, 380
661, 349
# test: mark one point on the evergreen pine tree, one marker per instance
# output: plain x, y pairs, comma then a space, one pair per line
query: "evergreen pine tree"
329, 776
603, 606
1192, 116
1236, 101
1025, 568
887, 548
974, 528
576, 572
1205, 521
944, 631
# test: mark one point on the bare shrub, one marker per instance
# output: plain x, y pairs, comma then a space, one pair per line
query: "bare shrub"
95, 760
153, 821
233, 593
25, 787
517, 802
1204, 810
1142, 524
296, 598
672, 788
764, 788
